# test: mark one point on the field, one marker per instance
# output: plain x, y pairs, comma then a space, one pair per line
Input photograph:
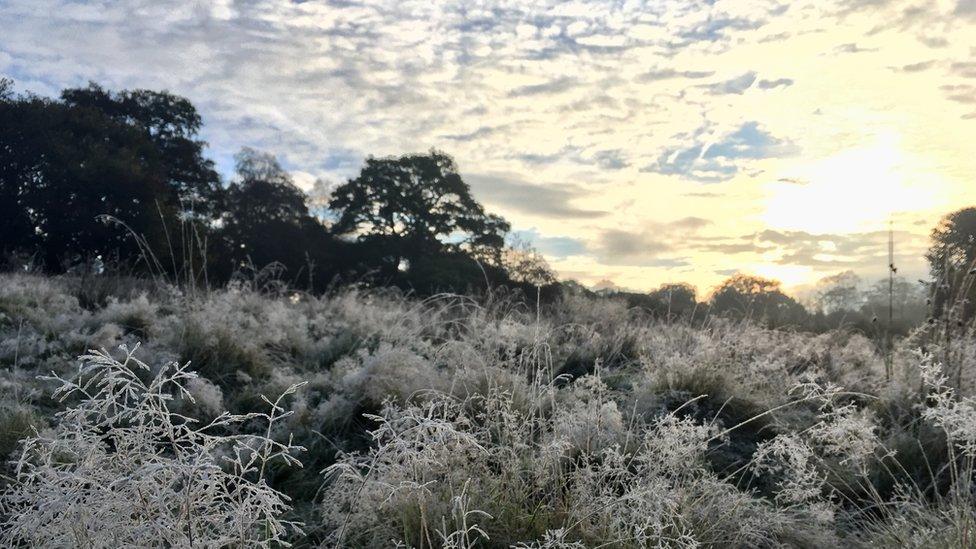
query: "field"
450, 422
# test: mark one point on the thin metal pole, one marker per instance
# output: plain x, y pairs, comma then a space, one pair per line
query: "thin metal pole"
891, 292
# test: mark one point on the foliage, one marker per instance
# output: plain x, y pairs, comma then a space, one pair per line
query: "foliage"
267, 222
446, 422
172, 124
121, 468
414, 204
99, 180
952, 261
61, 167
744, 296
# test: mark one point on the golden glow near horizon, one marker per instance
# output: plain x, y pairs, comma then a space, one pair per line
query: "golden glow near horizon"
636, 143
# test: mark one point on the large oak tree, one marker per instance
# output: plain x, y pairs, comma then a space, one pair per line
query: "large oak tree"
415, 205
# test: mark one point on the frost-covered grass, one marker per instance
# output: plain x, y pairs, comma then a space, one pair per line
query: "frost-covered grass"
453, 423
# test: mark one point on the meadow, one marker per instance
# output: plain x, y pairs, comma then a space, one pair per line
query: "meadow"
136, 413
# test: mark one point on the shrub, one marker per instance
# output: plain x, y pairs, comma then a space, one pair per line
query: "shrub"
122, 469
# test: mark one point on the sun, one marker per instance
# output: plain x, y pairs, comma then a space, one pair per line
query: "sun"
855, 190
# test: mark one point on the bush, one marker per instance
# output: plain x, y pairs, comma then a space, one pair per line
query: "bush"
121, 469
454, 422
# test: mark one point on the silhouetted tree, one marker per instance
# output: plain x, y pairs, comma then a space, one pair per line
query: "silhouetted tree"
267, 222
416, 205
574, 288
264, 191
63, 168
675, 300
171, 123
839, 292
907, 301
952, 260
757, 298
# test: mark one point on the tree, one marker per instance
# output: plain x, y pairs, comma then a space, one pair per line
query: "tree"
953, 243
267, 222
907, 303
757, 298
64, 170
264, 191
839, 292
675, 299
952, 258
525, 264
415, 205
266, 216
171, 123
83, 177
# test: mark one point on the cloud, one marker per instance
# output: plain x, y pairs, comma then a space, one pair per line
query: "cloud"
851, 6
553, 201
479, 133
835, 251
965, 69
669, 74
821, 252
557, 85
618, 244
540, 158
934, 41
691, 223
611, 159
737, 85
730, 248
719, 160
603, 41
719, 28
778, 37
651, 246
641, 249
770, 84
966, 8
558, 247
960, 93
852, 47
586, 90
918, 67
749, 141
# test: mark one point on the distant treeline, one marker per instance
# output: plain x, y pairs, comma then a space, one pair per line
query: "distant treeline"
839, 301
99, 181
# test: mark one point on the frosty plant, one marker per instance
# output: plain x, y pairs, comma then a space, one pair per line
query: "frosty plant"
956, 416
121, 469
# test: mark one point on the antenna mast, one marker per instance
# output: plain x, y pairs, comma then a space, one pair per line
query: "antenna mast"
891, 293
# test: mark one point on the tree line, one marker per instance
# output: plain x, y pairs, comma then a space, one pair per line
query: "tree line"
97, 180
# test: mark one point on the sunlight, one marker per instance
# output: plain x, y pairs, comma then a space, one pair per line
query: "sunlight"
855, 190
789, 275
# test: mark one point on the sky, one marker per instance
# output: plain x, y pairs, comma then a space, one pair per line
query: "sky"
633, 143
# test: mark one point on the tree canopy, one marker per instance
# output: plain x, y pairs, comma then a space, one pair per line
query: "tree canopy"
952, 262
267, 222
171, 123
66, 169
417, 203
757, 298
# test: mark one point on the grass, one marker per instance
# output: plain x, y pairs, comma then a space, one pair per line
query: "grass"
452, 423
